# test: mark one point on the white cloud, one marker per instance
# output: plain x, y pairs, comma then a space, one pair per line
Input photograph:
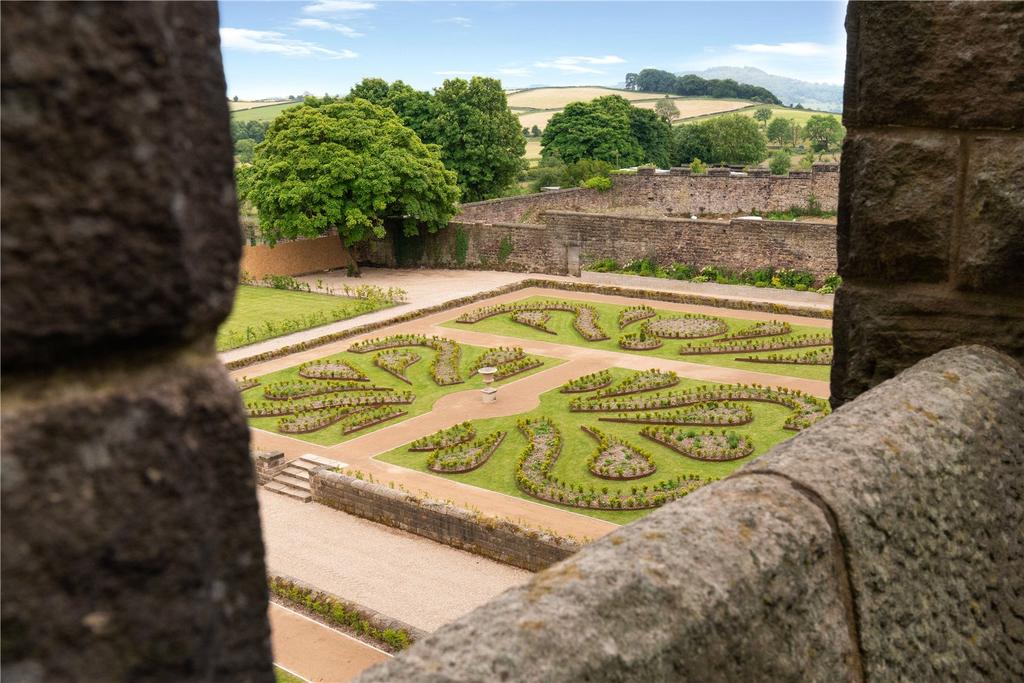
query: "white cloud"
579, 65
328, 26
464, 22
787, 49
250, 40
337, 6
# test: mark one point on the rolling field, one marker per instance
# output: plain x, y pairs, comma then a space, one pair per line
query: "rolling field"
798, 115
556, 98
249, 104
266, 113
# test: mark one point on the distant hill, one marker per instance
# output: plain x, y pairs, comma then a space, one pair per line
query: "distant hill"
822, 96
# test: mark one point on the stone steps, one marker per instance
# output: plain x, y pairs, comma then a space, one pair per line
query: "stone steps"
293, 480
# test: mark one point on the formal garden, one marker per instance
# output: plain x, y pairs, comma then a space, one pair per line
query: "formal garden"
775, 347
616, 443
375, 383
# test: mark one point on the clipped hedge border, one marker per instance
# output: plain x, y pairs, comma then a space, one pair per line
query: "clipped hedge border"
350, 617
587, 287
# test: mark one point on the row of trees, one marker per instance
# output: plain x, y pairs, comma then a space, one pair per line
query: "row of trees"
657, 80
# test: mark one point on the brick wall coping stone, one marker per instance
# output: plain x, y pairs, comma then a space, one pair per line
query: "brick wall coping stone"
882, 544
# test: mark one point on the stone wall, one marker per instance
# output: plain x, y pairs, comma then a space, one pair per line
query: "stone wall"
441, 522
295, 257
931, 217
876, 545
548, 245
676, 192
131, 537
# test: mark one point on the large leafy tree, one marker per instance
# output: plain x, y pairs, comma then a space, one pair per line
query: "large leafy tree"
653, 133
730, 139
479, 136
413, 106
780, 131
599, 129
824, 131
344, 167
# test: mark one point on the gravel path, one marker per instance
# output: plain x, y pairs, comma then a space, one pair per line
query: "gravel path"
315, 652
407, 577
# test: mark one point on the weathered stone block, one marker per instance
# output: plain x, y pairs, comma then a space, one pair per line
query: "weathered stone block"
117, 232
991, 254
132, 547
925, 477
734, 583
936, 64
897, 205
879, 331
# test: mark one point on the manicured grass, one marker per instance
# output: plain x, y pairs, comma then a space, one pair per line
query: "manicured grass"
498, 473
282, 676
423, 386
263, 313
561, 322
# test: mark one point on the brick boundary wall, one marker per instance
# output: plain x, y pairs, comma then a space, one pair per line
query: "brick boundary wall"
875, 545
499, 540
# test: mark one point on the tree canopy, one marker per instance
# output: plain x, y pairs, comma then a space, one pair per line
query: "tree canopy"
345, 166
479, 136
729, 139
666, 109
658, 80
781, 130
610, 129
824, 131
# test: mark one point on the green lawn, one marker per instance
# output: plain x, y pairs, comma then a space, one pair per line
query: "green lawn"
282, 676
561, 322
498, 473
262, 313
423, 386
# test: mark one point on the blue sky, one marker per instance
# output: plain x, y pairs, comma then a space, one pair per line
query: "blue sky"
317, 46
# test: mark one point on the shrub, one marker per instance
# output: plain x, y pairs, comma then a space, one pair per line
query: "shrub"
605, 265
681, 271
779, 163
461, 245
698, 167
599, 183
504, 249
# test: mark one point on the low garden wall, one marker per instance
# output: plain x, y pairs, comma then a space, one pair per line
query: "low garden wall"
880, 544
296, 257
497, 539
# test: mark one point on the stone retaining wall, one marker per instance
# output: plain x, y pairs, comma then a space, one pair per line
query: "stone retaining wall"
498, 539
880, 544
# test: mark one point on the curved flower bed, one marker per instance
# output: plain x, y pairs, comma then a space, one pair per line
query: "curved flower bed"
445, 438
444, 368
765, 328
639, 341
640, 382
506, 370
396, 362
701, 415
244, 383
591, 382
806, 409
628, 316
617, 460
686, 326
816, 357
315, 420
585, 318
538, 320
509, 361
367, 418
795, 342
462, 458
292, 389
277, 408
331, 369
706, 446
533, 477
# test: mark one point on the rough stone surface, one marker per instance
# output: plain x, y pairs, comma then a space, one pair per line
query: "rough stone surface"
735, 582
879, 331
991, 252
118, 231
944, 64
925, 477
132, 547
896, 216
499, 540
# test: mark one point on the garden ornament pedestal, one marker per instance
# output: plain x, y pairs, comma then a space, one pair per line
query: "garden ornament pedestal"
490, 394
